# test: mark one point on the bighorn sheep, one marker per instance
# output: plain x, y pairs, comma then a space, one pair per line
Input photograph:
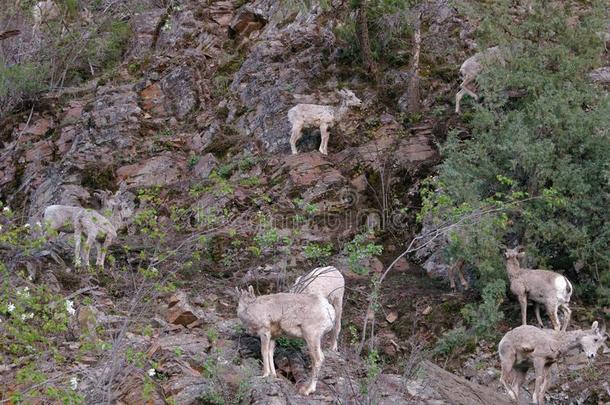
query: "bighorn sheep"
527, 345
541, 286
329, 283
304, 316
322, 116
98, 229
457, 267
44, 11
471, 68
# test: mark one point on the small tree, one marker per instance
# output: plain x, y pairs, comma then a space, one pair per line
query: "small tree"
551, 141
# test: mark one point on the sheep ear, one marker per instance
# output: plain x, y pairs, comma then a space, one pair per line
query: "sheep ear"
251, 290
594, 327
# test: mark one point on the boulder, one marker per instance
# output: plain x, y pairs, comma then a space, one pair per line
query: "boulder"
246, 21
164, 169
180, 311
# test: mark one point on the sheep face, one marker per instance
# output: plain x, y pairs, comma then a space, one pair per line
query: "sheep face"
349, 98
514, 254
591, 342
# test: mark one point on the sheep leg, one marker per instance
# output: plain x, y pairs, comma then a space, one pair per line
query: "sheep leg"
337, 304
87, 250
265, 346
270, 360
539, 366
295, 136
518, 382
545, 383
552, 310
463, 278
523, 303
324, 143
451, 274
537, 310
77, 242
460, 94
567, 315
102, 250
317, 357
511, 378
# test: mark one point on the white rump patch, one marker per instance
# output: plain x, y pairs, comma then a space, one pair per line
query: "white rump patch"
561, 286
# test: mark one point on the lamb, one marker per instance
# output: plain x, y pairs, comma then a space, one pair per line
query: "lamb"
329, 283
322, 116
541, 286
44, 11
98, 229
304, 316
527, 345
471, 68
457, 267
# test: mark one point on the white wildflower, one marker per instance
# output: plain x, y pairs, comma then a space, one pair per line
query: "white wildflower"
25, 317
11, 307
26, 226
151, 372
73, 383
25, 292
30, 278
38, 224
6, 209
70, 307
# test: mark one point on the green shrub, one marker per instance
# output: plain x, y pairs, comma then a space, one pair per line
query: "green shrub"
359, 251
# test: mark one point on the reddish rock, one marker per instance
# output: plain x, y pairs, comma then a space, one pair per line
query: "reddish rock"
306, 169
246, 21
205, 165
143, 27
66, 137
39, 152
222, 12
179, 310
376, 266
73, 113
159, 170
401, 265
152, 100
37, 127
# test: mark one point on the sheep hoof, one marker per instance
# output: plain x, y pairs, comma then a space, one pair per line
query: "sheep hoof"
306, 390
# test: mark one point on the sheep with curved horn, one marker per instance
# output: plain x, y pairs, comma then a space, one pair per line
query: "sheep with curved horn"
304, 316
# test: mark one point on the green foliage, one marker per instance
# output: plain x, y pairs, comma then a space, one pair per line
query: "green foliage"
390, 29
107, 48
484, 317
20, 82
373, 369
451, 341
551, 144
289, 343
360, 250
318, 253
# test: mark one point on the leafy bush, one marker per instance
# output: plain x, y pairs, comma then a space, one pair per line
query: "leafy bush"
318, 253
549, 146
20, 82
360, 250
